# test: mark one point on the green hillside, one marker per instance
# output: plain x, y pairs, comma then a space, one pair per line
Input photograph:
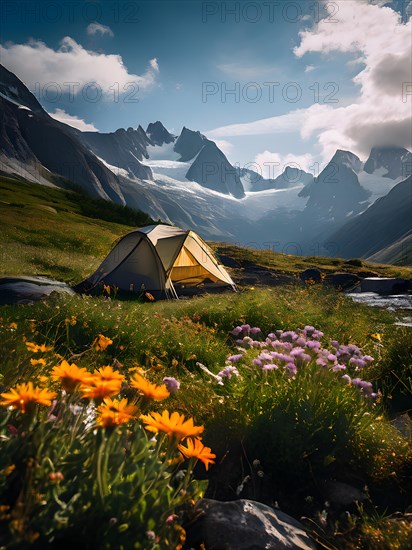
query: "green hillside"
64, 234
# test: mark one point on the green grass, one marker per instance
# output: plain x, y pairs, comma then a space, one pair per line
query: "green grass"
58, 233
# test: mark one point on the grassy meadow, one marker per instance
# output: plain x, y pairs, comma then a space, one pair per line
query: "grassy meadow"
284, 393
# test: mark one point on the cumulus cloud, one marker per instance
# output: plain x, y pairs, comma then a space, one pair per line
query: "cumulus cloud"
380, 41
98, 28
71, 64
272, 164
74, 121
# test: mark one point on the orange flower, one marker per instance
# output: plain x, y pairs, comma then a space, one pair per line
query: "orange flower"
107, 373
149, 296
34, 348
102, 342
149, 390
99, 389
35, 362
174, 425
24, 395
196, 449
113, 412
71, 376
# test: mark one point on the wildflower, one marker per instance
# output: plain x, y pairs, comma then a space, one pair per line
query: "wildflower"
13, 326
149, 390
255, 330
172, 385
107, 373
195, 449
173, 424
149, 296
228, 372
107, 289
113, 412
347, 378
102, 342
70, 376
35, 348
24, 395
269, 366
55, 477
235, 358
99, 389
35, 362
291, 369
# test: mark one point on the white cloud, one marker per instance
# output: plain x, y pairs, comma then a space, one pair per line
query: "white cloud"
272, 164
154, 64
98, 28
224, 146
74, 121
380, 114
290, 122
310, 68
35, 62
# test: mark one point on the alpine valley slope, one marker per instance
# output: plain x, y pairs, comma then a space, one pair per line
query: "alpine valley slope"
188, 181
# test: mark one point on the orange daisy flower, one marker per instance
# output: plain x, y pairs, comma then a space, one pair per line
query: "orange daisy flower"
107, 373
35, 362
102, 342
173, 424
113, 412
24, 395
71, 376
99, 389
35, 348
149, 390
196, 449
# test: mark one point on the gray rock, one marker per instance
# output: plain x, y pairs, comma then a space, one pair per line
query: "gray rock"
245, 525
342, 494
27, 290
342, 280
311, 274
384, 285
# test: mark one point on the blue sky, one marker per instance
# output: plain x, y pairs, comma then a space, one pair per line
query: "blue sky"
176, 51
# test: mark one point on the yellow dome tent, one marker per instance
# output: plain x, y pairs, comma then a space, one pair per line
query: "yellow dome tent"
162, 260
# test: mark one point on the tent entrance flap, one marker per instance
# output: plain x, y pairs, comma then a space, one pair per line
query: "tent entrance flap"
187, 269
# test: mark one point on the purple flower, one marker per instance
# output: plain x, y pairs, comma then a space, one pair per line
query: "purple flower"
331, 357
335, 344
235, 358
255, 330
313, 345
291, 368
172, 385
228, 372
245, 329
269, 366
337, 368
236, 331
368, 358
346, 378
257, 362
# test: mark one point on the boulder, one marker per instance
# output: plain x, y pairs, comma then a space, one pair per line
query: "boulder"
244, 525
27, 290
342, 280
311, 274
384, 285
